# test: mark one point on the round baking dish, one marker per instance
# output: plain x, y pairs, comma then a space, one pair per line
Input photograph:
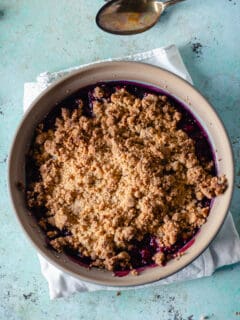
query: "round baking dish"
138, 73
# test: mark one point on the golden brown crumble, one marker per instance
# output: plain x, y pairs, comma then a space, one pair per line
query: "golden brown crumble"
134, 272
124, 173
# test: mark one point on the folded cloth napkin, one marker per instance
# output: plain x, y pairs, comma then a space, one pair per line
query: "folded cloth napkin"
224, 250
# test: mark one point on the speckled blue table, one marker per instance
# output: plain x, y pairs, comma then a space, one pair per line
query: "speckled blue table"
36, 36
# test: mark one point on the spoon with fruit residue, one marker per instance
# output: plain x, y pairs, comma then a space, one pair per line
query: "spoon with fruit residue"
125, 17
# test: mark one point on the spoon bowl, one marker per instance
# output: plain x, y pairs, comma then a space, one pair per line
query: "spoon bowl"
126, 17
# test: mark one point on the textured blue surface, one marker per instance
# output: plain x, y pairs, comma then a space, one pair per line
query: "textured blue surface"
36, 36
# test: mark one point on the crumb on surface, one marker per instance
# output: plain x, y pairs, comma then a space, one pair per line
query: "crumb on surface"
197, 48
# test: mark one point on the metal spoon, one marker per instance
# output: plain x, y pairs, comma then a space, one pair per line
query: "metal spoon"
131, 16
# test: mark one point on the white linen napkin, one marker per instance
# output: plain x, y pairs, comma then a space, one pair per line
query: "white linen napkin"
224, 250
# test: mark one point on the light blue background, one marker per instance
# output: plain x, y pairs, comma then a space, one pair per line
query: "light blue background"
37, 36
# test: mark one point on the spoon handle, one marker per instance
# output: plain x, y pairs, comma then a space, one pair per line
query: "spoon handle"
170, 3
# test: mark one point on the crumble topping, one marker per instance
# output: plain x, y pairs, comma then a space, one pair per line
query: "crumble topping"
111, 179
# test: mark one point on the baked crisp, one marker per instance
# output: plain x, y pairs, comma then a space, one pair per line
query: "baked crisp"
127, 172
